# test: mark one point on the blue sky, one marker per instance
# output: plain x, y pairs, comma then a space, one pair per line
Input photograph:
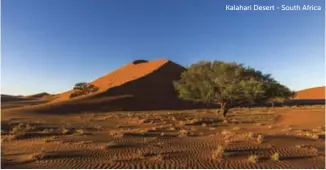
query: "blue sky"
50, 45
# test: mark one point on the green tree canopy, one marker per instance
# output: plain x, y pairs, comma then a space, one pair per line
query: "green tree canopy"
227, 85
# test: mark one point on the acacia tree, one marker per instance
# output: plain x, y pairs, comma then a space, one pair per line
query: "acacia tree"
278, 93
226, 84
83, 88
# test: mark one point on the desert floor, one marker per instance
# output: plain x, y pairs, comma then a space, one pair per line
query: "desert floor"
283, 137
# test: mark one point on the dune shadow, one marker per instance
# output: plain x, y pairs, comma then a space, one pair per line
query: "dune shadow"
154, 91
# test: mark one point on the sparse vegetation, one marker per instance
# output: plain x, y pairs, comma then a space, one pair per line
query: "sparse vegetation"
80, 132
157, 157
111, 144
236, 128
218, 153
83, 88
22, 128
226, 132
66, 131
38, 156
253, 158
260, 138
275, 156
116, 134
250, 135
228, 85
139, 61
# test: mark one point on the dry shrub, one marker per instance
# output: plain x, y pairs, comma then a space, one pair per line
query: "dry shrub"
218, 153
22, 128
111, 144
149, 139
227, 141
80, 132
225, 132
250, 135
236, 128
260, 138
308, 134
319, 129
253, 158
275, 156
38, 156
157, 158
66, 131
298, 146
116, 134
50, 139
183, 133
172, 128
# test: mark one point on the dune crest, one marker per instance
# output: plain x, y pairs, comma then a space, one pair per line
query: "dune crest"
133, 87
311, 93
126, 73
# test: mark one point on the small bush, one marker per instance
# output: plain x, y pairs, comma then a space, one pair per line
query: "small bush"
183, 133
116, 134
250, 135
236, 128
253, 158
260, 138
218, 153
80, 131
139, 61
275, 156
226, 132
38, 156
83, 88
66, 131
157, 157
21, 128
111, 144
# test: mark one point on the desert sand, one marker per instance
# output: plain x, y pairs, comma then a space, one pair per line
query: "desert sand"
166, 139
136, 120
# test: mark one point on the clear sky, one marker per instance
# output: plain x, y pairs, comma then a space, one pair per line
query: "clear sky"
49, 45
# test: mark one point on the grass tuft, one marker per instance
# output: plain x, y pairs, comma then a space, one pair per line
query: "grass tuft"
275, 156
253, 158
218, 152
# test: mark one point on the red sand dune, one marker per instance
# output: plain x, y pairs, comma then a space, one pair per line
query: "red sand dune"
311, 93
122, 75
134, 87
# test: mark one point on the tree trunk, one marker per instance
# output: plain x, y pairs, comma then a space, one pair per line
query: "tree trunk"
223, 109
